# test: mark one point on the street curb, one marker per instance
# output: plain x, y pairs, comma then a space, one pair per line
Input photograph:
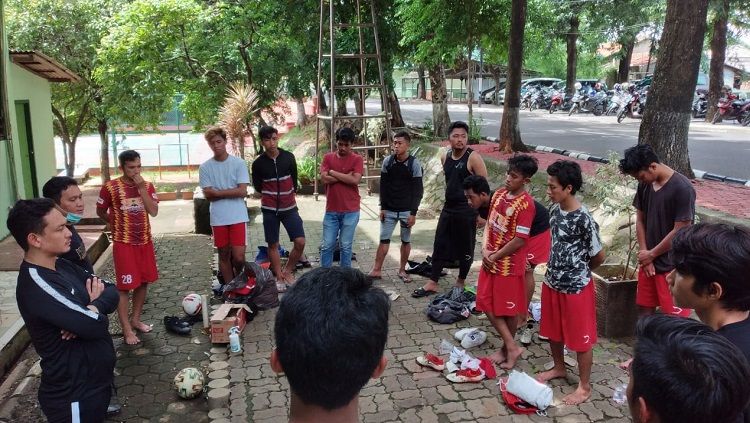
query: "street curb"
591, 158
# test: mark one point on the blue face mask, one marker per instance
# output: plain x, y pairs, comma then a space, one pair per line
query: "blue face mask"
73, 218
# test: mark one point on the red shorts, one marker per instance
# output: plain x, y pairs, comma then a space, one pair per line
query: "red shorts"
569, 318
654, 292
134, 265
537, 248
230, 235
501, 295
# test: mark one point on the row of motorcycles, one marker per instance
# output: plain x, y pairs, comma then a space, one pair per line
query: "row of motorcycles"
622, 102
729, 107
626, 101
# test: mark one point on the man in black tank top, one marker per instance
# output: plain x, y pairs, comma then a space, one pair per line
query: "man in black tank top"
455, 236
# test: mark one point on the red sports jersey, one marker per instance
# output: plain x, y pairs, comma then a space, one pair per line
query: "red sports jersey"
509, 218
128, 217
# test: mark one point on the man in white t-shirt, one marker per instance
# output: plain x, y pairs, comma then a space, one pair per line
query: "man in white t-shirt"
224, 179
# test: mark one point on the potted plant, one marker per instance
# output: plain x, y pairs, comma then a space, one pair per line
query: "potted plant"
166, 192
616, 311
307, 172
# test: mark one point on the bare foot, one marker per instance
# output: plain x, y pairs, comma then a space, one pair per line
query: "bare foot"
131, 339
512, 357
375, 274
555, 373
497, 357
625, 364
431, 286
578, 396
287, 277
141, 327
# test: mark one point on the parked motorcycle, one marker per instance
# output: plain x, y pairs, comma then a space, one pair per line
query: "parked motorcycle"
731, 109
617, 103
556, 101
589, 103
700, 106
634, 108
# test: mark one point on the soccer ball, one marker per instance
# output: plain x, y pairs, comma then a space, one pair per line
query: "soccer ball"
189, 383
192, 304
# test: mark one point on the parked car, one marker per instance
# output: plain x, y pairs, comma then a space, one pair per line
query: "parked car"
488, 95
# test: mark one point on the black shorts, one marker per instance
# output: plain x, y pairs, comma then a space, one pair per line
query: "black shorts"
291, 221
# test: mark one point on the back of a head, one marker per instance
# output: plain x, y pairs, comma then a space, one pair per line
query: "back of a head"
331, 329
715, 252
524, 164
477, 183
686, 372
638, 158
27, 216
346, 134
54, 188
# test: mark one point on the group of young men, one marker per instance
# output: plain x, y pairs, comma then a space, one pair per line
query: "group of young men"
681, 370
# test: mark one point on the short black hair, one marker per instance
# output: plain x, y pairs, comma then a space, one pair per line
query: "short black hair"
715, 252
686, 372
567, 173
54, 188
638, 158
128, 156
266, 132
345, 134
477, 183
458, 125
403, 134
27, 217
331, 329
524, 164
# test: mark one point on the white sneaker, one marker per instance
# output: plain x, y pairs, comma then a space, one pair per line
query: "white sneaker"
474, 339
526, 333
459, 335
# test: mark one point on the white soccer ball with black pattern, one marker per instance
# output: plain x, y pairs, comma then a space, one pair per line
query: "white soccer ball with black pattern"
192, 304
189, 383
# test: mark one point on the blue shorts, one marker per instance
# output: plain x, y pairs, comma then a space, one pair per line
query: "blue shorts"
291, 221
389, 224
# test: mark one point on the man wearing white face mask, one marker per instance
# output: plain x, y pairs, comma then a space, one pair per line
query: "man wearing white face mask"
68, 198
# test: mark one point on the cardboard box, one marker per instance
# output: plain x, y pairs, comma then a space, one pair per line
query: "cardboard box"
224, 318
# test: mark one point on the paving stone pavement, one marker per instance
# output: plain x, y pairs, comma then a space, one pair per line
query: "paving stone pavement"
405, 393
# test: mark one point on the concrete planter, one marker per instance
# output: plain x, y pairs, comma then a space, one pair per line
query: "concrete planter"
187, 195
616, 312
166, 196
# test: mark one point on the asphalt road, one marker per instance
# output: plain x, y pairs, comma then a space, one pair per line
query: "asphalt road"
723, 149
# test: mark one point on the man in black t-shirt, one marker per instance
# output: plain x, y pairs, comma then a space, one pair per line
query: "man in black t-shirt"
400, 194
65, 311
711, 276
664, 202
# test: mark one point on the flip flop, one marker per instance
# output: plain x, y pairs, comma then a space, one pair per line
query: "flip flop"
421, 292
405, 278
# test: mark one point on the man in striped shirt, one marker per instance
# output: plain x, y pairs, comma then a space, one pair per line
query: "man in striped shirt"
274, 176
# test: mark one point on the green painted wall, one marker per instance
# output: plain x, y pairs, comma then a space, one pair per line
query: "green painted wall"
25, 86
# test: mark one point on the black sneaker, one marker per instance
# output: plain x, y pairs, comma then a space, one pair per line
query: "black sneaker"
176, 325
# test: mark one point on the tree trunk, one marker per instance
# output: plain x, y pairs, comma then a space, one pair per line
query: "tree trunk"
440, 118
69, 147
651, 50
322, 105
397, 121
572, 37
628, 43
510, 133
301, 117
421, 84
341, 105
101, 127
718, 56
667, 118
496, 76
470, 89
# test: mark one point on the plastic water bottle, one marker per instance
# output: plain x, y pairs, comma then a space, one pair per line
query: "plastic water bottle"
619, 395
234, 339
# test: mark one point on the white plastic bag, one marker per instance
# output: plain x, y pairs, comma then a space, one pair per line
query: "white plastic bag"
529, 389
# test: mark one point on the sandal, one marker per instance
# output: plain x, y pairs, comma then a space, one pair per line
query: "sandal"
421, 292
